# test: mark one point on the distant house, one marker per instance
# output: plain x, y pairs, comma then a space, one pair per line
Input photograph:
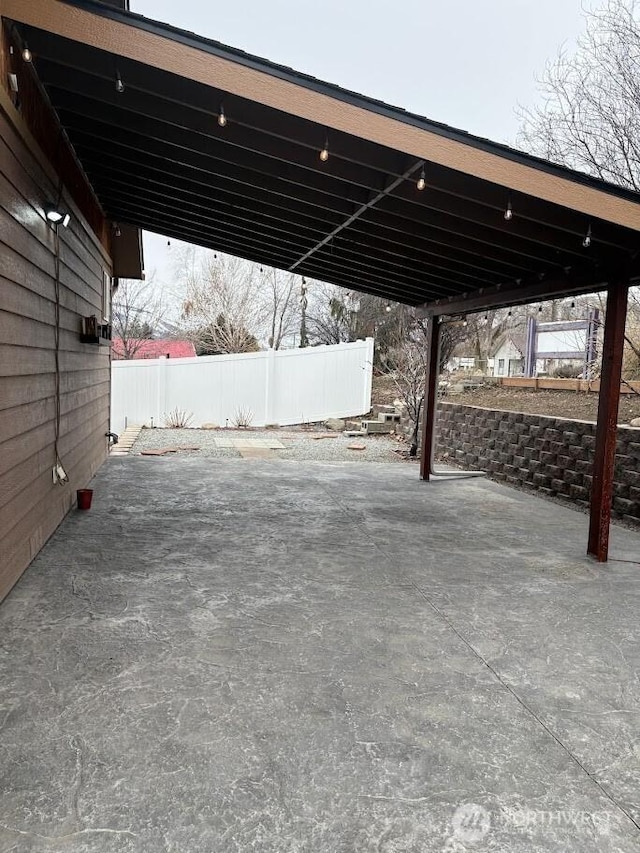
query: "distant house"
462, 358
152, 349
508, 356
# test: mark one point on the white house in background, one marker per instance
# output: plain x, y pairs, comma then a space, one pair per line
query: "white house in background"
508, 357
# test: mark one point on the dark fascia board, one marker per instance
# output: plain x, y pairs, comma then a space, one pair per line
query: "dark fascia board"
283, 72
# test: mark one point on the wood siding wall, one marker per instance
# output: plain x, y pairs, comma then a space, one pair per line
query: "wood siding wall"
31, 506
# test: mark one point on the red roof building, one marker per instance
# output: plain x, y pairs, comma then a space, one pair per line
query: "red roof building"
152, 349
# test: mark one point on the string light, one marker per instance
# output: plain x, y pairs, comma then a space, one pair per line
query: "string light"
387, 308
324, 154
587, 238
508, 214
573, 303
116, 230
422, 181
119, 83
26, 53
222, 118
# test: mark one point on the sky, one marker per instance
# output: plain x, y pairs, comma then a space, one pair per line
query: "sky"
467, 63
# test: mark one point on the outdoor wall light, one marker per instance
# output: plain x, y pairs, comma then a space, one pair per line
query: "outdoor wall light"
26, 53
422, 181
56, 216
119, 83
222, 118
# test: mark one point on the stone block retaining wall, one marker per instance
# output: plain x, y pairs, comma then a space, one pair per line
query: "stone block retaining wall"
549, 455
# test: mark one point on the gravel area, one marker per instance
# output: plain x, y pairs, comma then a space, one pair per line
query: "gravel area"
299, 444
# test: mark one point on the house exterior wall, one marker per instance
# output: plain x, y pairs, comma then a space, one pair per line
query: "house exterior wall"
507, 353
553, 456
31, 506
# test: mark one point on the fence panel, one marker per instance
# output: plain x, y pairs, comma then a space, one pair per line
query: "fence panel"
271, 387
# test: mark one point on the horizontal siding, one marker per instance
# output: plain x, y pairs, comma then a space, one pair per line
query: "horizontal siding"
31, 506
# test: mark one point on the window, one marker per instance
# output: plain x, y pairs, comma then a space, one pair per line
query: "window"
500, 366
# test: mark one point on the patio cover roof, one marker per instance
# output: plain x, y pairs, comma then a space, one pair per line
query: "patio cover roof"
158, 159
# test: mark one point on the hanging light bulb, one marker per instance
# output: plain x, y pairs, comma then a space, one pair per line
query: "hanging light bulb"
539, 309
168, 242
324, 154
465, 323
422, 181
26, 53
387, 308
222, 118
587, 238
119, 83
508, 214
116, 230
509, 314
573, 303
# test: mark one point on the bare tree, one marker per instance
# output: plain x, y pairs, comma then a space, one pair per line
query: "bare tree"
222, 311
407, 364
589, 117
280, 294
137, 310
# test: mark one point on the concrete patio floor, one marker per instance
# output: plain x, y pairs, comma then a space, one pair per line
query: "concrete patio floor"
231, 655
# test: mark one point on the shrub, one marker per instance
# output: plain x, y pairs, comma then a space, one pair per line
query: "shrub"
178, 419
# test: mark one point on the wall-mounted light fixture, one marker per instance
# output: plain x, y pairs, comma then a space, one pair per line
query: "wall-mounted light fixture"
56, 215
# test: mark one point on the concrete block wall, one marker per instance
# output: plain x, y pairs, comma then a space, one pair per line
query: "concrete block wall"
549, 455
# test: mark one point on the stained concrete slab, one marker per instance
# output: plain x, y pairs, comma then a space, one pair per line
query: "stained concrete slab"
319, 657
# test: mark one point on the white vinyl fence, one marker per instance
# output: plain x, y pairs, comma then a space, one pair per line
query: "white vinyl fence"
275, 387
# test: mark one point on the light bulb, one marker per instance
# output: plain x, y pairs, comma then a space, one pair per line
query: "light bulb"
422, 183
222, 119
26, 53
508, 214
324, 154
119, 83
587, 238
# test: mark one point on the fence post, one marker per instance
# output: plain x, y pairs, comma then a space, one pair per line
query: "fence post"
269, 386
161, 398
368, 376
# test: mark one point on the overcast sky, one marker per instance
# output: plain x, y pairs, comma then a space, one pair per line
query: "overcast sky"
468, 63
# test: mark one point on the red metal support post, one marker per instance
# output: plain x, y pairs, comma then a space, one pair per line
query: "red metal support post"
430, 398
607, 426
